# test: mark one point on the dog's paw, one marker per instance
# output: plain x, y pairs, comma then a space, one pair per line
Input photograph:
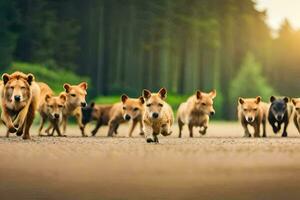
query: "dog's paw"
149, 140
284, 134
12, 130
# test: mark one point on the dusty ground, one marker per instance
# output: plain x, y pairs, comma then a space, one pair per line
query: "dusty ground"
220, 165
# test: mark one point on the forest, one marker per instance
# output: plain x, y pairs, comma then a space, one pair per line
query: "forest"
123, 46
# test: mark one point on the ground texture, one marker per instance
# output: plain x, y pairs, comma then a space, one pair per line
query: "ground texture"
220, 165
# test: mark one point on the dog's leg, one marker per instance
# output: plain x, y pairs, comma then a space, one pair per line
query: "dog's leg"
29, 120
246, 130
285, 134
42, 125
116, 129
6, 119
148, 130
296, 122
165, 130
134, 123
203, 132
48, 130
141, 128
98, 125
180, 125
264, 128
257, 130
79, 122
191, 130
113, 124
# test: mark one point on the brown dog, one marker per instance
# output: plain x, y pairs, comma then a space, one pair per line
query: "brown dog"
52, 109
253, 112
158, 116
19, 101
195, 112
129, 108
296, 102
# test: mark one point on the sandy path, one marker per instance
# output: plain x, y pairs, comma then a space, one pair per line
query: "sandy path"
220, 165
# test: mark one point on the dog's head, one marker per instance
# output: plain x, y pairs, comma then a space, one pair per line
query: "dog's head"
204, 102
76, 94
250, 108
154, 102
87, 113
17, 91
279, 107
296, 103
55, 105
132, 108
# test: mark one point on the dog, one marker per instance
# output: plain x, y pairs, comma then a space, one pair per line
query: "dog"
127, 109
195, 112
253, 112
296, 102
52, 109
280, 113
19, 101
158, 116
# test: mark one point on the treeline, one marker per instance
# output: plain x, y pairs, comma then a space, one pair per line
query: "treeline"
128, 45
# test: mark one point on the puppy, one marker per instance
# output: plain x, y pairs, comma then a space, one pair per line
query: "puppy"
158, 117
296, 103
52, 109
195, 112
253, 112
98, 113
280, 113
127, 109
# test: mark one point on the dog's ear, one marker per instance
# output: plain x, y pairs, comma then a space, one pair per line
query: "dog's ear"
272, 98
258, 100
67, 87
294, 101
83, 85
146, 94
198, 94
163, 93
5, 78
47, 98
30, 78
63, 97
142, 100
92, 105
124, 98
241, 101
286, 99
213, 94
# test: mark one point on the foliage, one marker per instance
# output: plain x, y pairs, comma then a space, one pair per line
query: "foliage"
55, 79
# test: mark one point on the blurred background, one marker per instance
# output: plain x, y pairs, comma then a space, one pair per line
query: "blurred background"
239, 47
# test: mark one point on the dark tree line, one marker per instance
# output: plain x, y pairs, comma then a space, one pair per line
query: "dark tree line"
128, 45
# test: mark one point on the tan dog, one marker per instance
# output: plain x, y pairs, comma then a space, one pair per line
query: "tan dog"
296, 103
52, 109
19, 101
253, 112
75, 100
195, 112
129, 108
158, 117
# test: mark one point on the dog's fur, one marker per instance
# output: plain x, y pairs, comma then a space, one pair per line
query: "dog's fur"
128, 108
19, 101
253, 112
158, 116
75, 100
296, 102
195, 112
52, 109
280, 113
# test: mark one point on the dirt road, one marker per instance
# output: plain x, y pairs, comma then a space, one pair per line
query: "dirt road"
220, 165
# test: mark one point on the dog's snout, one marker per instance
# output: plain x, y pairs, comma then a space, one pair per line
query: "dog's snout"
127, 117
279, 117
155, 115
212, 113
56, 116
17, 98
250, 119
83, 104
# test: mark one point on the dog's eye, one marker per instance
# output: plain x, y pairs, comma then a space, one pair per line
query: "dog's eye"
135, 109
124, 108
73, 95
203, 104
255, 109
50, 106
12, 87
60, 106
149, 104
245, 110
297, 109
160, 105
23, 88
